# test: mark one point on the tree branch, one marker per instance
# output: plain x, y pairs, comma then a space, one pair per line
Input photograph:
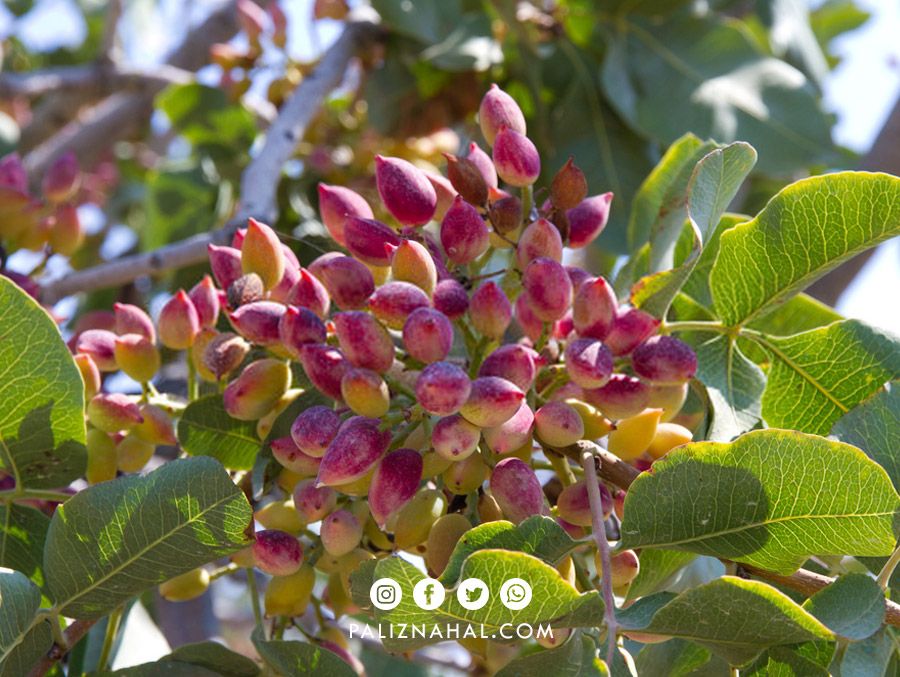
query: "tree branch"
259, 182
612, 468
110, 27
103, 78
598, 526
121, 114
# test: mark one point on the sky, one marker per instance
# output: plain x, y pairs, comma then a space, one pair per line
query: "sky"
861, 91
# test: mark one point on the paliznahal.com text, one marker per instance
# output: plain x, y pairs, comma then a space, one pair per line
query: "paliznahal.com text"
448, 632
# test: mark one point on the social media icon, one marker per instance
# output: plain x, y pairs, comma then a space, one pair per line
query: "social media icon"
472, 594
428, 594
385, 594
515, 594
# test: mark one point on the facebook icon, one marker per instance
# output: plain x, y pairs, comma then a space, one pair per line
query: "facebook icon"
428, 594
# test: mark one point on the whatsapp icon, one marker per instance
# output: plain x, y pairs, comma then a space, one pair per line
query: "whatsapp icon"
515, 594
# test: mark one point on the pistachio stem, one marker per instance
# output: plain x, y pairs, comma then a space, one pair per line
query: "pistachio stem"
33, 495
884, 577
254, 599
109, 638
598, 526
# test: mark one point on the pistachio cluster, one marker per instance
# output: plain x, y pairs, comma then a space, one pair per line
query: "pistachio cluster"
444, 387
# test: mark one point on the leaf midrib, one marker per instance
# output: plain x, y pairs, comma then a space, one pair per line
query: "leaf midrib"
763, 341
777, 520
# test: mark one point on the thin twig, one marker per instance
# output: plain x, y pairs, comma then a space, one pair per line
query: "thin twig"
73, 634
809, 583
598, 527
24, 494
259, 181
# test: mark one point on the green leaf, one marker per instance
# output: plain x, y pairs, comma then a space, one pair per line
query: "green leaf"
116, 539
538, 535
872, 426
215, 657
658, 567
662, 194
161, 667
836, 17
734, 386
818, 376
469, 47
784, 661
735, 618
181, 200
203, 659
555, 601
797, 314
770, 499
205, 116
430, 22
576, 657
22, 534
708, 75
361, 580
300, 658
23, 639
852, 606
697, 284
869, 657
381, 664
792, 38
42, 419
647, 7
675, 658
713, 184
806, 230
206, 429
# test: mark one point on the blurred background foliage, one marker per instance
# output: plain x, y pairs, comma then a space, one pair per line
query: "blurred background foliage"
611, 83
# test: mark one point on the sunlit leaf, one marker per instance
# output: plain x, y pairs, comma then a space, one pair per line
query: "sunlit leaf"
42, 395
771, 499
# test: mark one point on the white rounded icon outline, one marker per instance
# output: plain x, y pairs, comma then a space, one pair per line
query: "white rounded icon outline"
519, 588
381, 598
462, 594
421, 594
